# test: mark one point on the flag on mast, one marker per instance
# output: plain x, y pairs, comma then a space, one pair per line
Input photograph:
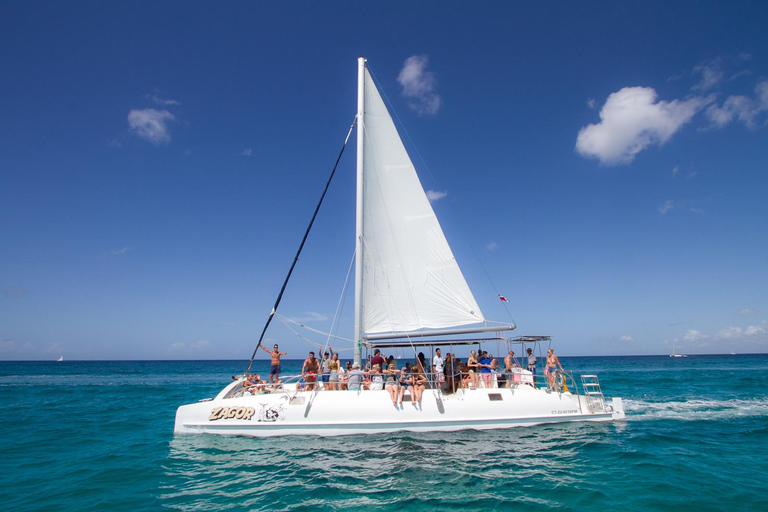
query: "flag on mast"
503, 298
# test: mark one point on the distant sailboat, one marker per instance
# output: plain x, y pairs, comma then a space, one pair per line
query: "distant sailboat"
674, 352
60, 359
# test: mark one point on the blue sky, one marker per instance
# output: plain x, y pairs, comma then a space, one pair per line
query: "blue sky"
605, 164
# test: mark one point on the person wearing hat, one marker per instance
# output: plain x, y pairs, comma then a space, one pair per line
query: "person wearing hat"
355, 377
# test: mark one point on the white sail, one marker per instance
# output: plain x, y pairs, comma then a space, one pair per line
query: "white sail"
411, 280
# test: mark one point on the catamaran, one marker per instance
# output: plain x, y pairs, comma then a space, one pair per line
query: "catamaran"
409, 294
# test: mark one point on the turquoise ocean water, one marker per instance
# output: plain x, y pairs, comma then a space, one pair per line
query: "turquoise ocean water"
99, 436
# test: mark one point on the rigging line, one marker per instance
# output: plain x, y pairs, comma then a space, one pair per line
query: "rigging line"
400, 122
301, 246
317, 331
492, 283
335, 323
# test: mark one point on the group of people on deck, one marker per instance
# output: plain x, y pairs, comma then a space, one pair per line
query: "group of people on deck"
448, 373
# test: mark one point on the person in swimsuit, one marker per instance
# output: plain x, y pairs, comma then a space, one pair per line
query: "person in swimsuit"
391, 384
274, 369
324, 366
419, 383
551, 369
472, 370
406, 382
309, 371
509, 363
334, 366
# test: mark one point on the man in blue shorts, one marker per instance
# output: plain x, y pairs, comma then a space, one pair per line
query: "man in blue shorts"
274, 369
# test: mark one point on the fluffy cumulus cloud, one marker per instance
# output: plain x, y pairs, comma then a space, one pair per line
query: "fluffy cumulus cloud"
631, 120
435, 195
151, 124
626, 339
418, 85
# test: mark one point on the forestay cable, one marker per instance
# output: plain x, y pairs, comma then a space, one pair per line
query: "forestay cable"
301, 246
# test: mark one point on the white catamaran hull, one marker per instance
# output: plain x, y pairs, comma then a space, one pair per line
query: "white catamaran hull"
332, 413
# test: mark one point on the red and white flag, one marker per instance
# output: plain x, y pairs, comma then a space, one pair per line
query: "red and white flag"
503, 298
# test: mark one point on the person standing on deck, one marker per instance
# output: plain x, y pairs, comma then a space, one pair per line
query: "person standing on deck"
532, 363
274, 369
326, 366
309, 371
509, 363
551, 369
438, 369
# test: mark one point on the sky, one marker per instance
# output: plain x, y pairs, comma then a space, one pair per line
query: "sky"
602, 165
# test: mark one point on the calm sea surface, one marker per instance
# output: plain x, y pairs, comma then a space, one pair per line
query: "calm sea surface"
99, 436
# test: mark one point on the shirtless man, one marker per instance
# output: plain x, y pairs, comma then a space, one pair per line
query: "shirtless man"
274, 370
509, 363
309, 371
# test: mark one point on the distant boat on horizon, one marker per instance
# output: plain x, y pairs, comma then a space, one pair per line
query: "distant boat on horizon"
674, 352
60, 359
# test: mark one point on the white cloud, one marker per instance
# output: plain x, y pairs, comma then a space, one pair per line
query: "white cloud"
311, 316
418, 85
676, 170
711, 74
491, 246
121, 251
161, 101
627, 339
247, 152
151, 124
697, 210
747, 311
668, 205
694, 336
741, 108
755, 330
434, 195
632, 120
591, 103
728, 333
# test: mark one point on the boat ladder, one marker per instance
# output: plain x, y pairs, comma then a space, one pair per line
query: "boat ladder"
593, 392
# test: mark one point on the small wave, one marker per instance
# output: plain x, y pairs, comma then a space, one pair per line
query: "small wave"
696, 409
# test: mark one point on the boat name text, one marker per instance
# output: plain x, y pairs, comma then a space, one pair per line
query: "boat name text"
574, 411
229, 413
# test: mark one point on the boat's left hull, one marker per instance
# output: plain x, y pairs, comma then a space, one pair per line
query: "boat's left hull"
331, 413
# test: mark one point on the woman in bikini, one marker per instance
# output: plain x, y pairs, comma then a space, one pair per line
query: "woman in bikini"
550, 370
391, 384
472, 370
419, 383
334, 366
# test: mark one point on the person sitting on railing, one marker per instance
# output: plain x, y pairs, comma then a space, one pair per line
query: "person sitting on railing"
472, 370
355, 377
550, 370
419, 383
470, 377
391, 385
343, 374
406, 382
377, 379
253, 383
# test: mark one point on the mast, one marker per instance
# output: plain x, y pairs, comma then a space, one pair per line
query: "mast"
359, 209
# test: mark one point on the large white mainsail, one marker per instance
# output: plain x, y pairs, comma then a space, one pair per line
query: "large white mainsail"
411, 280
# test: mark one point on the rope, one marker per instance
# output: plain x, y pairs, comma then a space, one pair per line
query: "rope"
301, 246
